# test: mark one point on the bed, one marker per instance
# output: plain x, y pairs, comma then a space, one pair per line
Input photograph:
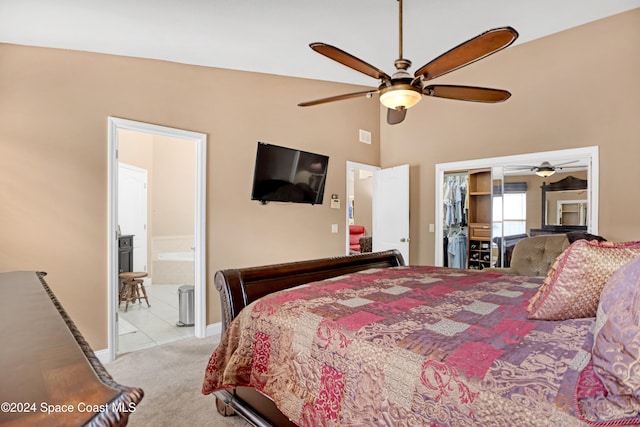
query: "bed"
366, 340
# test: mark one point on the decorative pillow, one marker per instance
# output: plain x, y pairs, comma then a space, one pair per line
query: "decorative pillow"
545, 284
616, 346
574, 283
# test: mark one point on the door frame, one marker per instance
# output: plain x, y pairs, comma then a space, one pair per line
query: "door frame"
557, 156
352, 166
115, 124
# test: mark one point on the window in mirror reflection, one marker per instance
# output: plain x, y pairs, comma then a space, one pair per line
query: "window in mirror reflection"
510, 209
513, 216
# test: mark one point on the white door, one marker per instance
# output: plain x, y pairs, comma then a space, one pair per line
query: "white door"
132, 210
391, 210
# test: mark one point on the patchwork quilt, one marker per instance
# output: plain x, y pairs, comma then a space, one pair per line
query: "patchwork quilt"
409, 346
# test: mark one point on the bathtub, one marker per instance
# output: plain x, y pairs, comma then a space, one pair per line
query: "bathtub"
174, 268
176, 256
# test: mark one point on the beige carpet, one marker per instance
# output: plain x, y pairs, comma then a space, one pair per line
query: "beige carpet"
171, 377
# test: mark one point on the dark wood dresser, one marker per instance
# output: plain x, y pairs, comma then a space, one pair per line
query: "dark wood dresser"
125, 253
49, 376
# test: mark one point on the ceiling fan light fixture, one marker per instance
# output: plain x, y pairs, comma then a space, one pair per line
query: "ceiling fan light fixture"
400, 97
545, 172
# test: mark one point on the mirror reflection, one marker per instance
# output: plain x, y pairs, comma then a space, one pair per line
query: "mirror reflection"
567, 208
518, 202
565, 204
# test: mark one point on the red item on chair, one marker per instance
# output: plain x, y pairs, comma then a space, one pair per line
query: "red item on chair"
355, 233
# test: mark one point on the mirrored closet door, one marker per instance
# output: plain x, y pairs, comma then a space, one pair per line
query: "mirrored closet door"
490, 204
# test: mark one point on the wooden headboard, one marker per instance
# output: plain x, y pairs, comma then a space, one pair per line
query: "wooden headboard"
240, 287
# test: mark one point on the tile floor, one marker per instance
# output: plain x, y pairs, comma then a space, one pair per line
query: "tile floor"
143, 327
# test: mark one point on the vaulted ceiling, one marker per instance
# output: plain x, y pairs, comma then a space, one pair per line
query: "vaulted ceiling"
272, 36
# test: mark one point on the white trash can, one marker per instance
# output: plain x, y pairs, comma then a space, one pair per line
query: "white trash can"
186, 304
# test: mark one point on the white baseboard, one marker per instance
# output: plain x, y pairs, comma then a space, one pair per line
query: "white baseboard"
103, 355
213, 329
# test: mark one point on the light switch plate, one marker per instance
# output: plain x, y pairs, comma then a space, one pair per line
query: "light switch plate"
335, 203
334, 228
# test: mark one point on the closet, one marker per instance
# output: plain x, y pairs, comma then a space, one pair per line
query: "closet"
503, 203
467, 219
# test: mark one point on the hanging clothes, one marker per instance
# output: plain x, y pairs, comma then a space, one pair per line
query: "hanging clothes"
447, 198
454, 196
457, 200
457, 249
454, 200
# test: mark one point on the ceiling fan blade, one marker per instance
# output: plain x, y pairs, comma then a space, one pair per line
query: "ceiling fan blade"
519, 167
349, 60
467, 93
565, 163
366, 93
395, 116
470, 51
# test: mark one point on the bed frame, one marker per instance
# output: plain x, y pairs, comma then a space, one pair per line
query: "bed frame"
240, 287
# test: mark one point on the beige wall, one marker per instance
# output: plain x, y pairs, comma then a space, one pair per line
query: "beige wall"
54, 106
573, 89
174, 178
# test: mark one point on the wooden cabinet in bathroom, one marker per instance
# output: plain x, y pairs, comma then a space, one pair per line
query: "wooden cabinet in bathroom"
125, 253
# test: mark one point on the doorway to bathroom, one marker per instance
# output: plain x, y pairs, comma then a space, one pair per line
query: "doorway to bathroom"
157, 201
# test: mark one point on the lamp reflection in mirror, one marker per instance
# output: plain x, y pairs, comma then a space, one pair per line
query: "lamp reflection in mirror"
545, 170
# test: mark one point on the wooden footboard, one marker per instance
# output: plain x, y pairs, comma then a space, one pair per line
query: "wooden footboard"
240, 287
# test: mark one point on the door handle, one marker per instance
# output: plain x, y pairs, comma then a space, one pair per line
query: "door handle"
405, 239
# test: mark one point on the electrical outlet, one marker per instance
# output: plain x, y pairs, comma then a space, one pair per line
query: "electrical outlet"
334, 228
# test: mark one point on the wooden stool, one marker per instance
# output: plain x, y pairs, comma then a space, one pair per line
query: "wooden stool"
132, 288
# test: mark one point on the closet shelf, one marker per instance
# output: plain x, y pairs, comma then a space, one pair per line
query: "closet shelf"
479, 250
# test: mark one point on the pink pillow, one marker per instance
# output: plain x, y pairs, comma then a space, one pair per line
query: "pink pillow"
616, 346
572, 288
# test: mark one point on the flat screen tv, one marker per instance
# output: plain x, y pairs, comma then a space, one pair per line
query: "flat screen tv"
284, 174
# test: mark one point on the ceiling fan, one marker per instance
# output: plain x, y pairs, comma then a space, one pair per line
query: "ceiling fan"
545, 169
401, 91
